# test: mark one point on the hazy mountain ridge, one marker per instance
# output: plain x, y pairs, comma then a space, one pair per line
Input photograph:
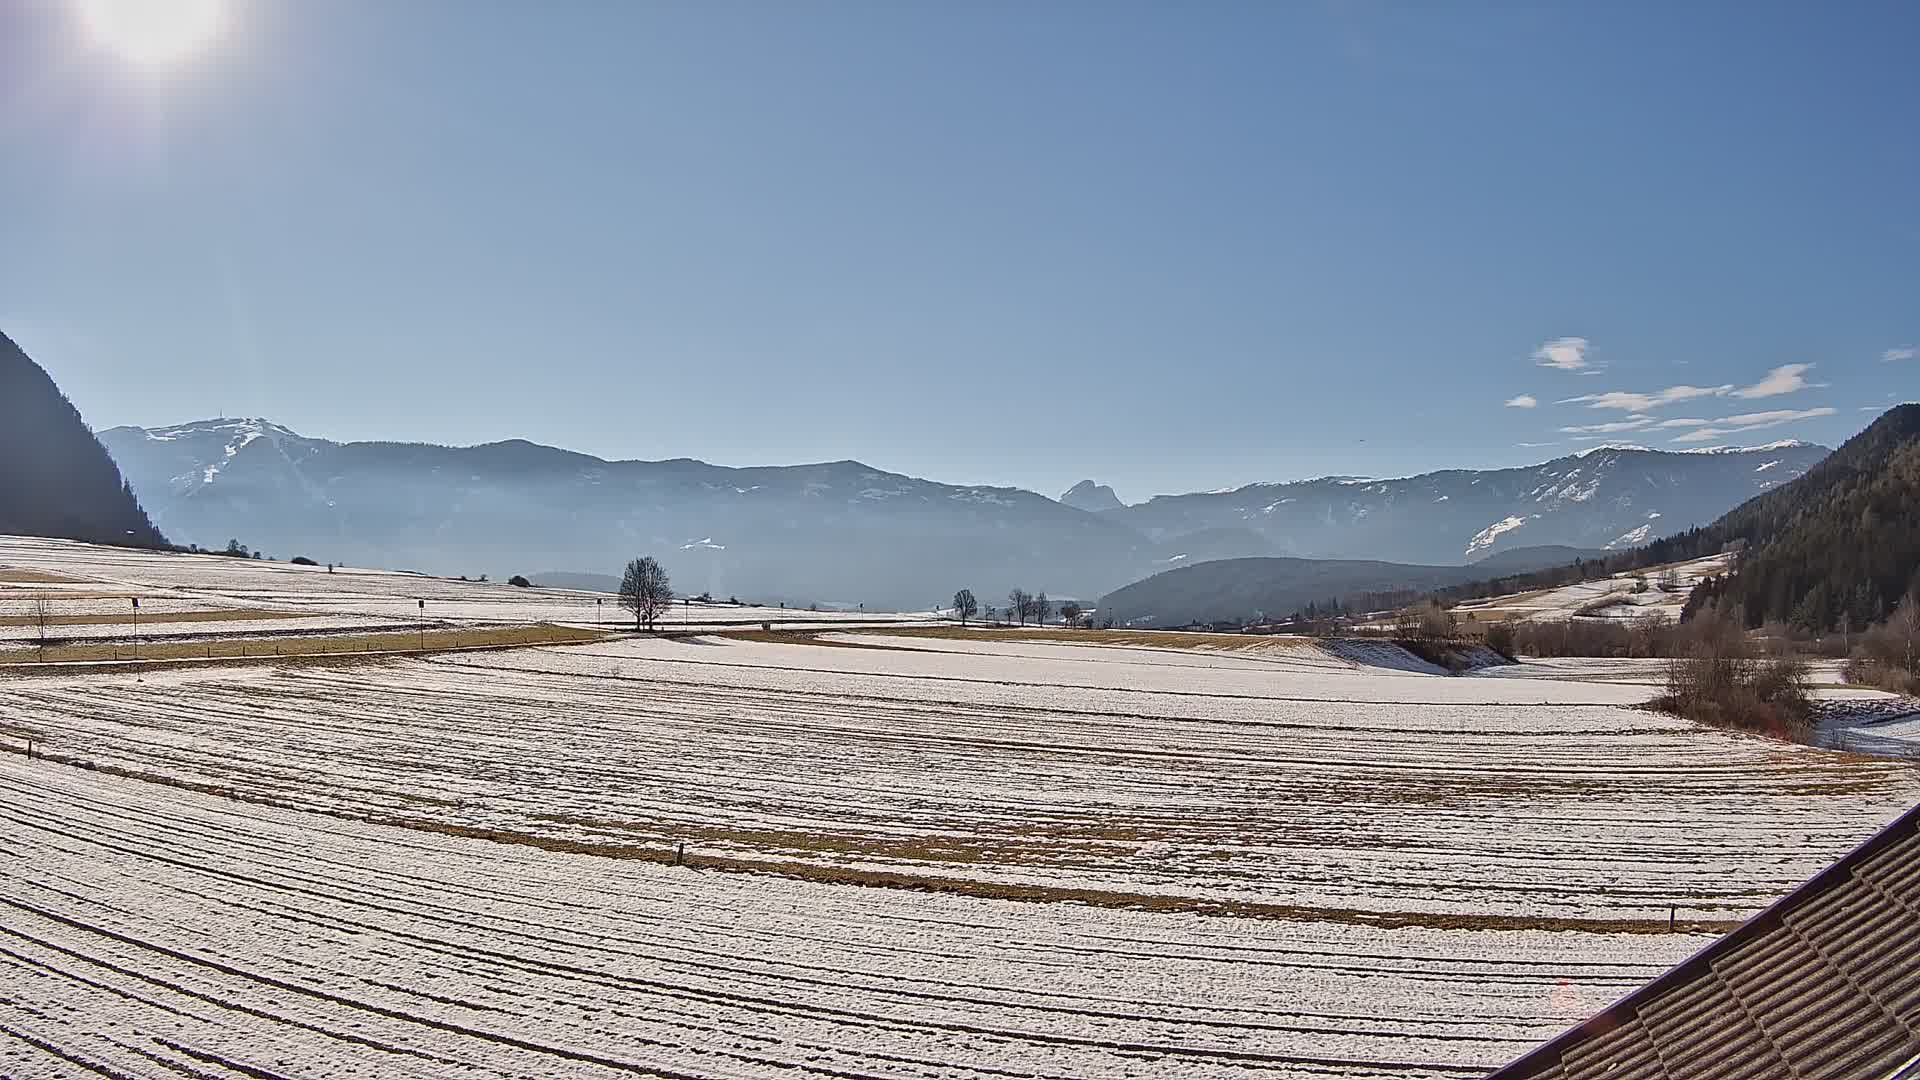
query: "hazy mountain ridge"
1245, 590
1609, 497
848, 532
839, 531
55, 478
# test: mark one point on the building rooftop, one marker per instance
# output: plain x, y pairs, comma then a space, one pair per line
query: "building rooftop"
1823, 984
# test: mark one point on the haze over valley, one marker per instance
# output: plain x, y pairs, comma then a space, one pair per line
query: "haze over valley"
847, 533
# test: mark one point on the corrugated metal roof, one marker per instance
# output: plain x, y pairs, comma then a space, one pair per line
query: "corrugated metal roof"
1823, 985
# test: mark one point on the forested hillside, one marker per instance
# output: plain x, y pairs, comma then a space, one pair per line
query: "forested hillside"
55, 477
1838, 546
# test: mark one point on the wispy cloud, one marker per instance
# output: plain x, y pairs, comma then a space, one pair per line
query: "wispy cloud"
1631, 423
1784, 379
1630, 402
1754, 421
1535, 445
1685, 421
1523, 401
1564, 354
1899, 352
1777, 416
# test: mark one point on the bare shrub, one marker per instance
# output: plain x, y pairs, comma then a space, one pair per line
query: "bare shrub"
1501, 637
1649, 635
1718, 678
1427, 621
1886, 655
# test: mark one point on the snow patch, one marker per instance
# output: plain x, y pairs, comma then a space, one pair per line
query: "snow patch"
1485, 537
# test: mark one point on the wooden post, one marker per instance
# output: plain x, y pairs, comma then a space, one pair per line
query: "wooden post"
680, 855
1673, 912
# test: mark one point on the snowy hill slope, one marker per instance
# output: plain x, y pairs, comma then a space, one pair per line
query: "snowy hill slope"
1610, 497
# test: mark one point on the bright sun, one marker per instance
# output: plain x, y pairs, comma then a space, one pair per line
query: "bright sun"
153, 33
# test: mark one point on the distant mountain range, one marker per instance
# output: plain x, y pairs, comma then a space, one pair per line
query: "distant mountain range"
1607, 497
833, 532
845, 532
55, 478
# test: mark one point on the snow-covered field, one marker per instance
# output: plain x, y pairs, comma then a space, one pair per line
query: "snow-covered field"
905, 856
155, 932
104, 581
1607, 598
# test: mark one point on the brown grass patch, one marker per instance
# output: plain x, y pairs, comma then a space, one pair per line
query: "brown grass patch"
1138, 639
317, 645
804, 637
21, 576
1105, 898
236, 615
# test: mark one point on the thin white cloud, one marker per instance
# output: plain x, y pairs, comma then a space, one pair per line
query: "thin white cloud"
1535, 445
1522, 401
1777, 416
1899, 352
1631, 423
1685, 421
1631, 402
1564, 354
1784, 379
1751, 422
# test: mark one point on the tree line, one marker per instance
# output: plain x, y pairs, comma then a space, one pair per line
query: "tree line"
1021, 606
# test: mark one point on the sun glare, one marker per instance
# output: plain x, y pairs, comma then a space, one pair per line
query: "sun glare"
153, 33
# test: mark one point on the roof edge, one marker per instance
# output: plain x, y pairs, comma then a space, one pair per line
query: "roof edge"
1550, 1052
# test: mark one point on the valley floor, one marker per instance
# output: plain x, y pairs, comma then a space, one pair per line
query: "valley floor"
905, 854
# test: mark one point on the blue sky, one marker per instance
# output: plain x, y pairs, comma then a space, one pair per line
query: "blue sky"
1170, 247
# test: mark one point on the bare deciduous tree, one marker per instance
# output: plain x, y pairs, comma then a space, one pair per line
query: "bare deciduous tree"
1040, 608
1887, 653
965, 606
645, 591
41, 612
1070, 613
1020, 605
